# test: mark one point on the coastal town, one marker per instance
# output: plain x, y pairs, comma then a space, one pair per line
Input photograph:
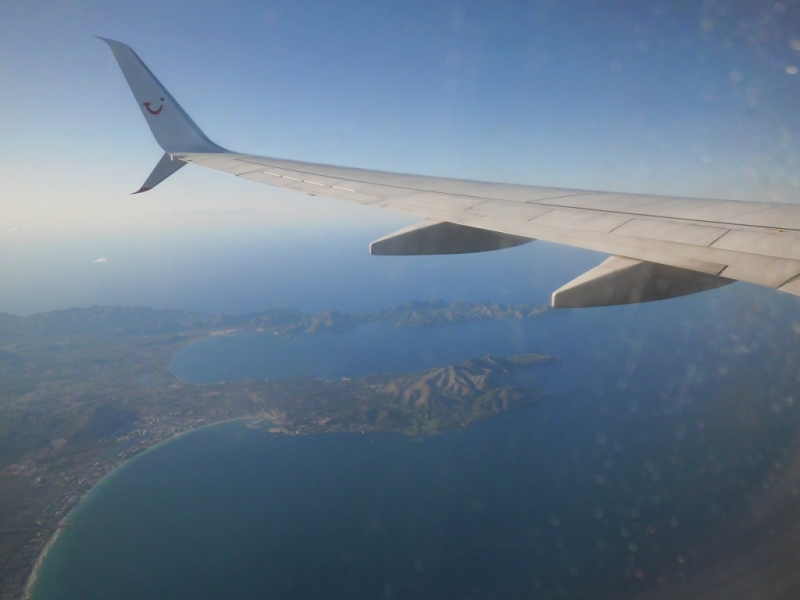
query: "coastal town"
72, 482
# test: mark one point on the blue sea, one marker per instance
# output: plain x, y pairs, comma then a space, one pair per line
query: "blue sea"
657, 429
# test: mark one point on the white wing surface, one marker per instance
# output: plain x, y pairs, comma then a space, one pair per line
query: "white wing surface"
662, 246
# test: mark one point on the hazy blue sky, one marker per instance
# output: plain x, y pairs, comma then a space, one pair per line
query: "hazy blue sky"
686, 98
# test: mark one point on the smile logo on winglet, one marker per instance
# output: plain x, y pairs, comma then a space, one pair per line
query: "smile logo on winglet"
151, 111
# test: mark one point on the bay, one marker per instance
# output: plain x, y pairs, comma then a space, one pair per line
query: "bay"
655, 428
370, 348
588, 341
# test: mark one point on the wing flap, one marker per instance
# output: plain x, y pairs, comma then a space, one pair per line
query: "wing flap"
779, 245
762, 270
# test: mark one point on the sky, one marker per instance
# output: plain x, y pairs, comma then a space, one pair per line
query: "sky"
697, 98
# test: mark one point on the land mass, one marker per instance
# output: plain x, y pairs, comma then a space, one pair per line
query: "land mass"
82, 390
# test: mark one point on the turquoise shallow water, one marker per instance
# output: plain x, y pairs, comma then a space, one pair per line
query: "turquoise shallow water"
656, 426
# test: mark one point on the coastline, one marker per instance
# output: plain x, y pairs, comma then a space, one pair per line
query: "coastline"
127, 455
26, 593
23, 568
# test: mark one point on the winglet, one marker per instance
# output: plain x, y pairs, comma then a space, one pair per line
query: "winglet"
173, 129
165, 167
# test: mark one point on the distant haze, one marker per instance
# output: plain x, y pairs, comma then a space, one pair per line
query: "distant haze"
237, 271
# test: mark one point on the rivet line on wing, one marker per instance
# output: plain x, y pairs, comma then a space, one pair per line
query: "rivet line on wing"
722, 235
541, 215
618, 226
307, 181
788, 281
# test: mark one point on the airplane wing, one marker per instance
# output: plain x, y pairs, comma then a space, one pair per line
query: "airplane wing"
661, 247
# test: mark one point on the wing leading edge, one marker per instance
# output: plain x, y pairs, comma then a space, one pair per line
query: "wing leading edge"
662, 247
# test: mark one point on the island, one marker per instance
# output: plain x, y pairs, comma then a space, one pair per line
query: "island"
83, 390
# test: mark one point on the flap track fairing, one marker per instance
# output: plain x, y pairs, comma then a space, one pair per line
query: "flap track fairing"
621, 280
436, 237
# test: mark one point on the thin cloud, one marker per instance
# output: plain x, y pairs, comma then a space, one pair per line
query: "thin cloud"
100, 260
